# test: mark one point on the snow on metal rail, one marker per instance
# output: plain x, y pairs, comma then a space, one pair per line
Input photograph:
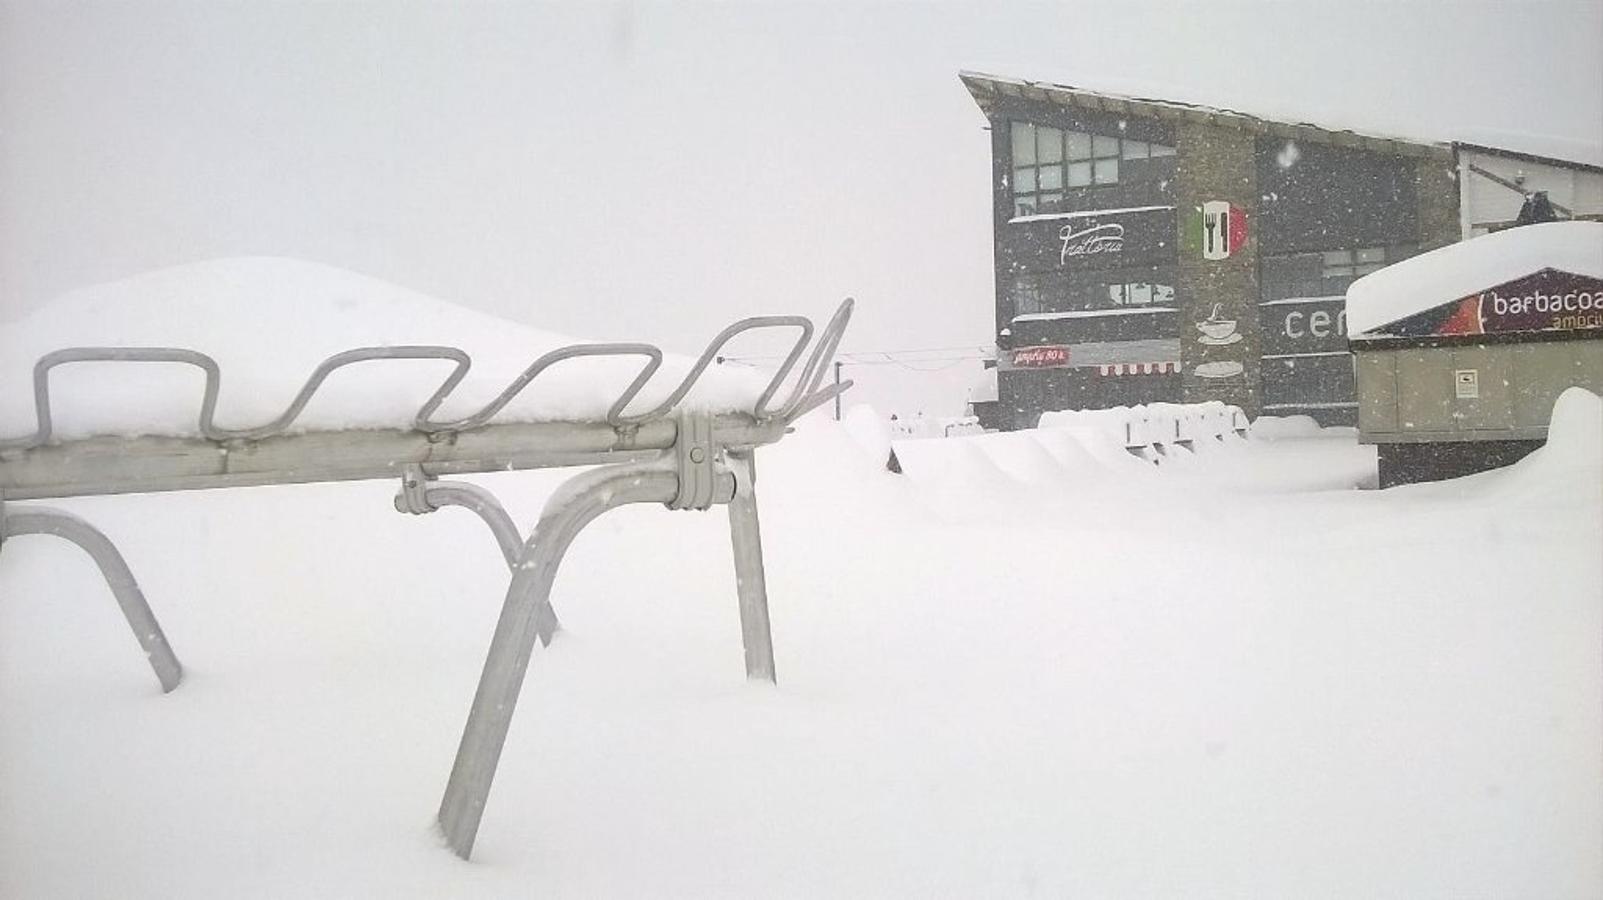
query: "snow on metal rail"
680, 458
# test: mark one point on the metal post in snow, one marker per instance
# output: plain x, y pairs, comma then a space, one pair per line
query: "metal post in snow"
750, 583
837, 390
524, 618
42, 520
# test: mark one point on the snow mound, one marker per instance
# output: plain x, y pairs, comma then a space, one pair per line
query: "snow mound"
1468, 267
868, 430
1571, 462
268, 322
1272, 428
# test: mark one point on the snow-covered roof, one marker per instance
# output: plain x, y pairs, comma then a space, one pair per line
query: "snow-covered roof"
1460, 270
987, 89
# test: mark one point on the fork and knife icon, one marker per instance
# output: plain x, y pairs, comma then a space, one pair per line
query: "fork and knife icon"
1219, 220
1216, 230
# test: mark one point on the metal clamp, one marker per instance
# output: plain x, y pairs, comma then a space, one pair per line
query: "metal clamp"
694, 456
413, 497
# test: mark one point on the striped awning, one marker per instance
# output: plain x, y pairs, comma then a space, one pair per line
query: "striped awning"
1152, 368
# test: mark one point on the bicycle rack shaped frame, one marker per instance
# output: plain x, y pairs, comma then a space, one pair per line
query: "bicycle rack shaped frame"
667, 455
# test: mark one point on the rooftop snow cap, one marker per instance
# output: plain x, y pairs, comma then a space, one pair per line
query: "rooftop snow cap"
1468, 268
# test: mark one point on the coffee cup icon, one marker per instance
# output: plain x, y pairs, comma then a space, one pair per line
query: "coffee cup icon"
1217, 330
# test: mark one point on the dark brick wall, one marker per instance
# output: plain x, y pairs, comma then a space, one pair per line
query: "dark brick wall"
1322, 197
1436, 186
1218, 164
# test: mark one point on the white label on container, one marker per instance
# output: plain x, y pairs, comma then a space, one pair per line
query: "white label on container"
1467, 384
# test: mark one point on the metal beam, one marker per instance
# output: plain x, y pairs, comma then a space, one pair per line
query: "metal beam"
114, 465
1516, 188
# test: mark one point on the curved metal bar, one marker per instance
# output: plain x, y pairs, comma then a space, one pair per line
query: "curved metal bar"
482, 503
574, 505
711, 352
653, 362
807, 383
346, 358
817, 364
41, 381
43, 520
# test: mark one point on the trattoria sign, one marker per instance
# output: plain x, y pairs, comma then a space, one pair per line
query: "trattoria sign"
1089, 241
1549, 300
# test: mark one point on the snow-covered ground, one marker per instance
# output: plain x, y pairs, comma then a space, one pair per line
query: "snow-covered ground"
1231, 677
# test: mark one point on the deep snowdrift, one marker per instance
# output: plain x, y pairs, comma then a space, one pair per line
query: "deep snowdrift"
1147, 683
268, 322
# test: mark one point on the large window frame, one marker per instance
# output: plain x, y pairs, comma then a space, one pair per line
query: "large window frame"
1048, 162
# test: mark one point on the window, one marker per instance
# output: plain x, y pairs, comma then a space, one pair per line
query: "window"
1140, 294
1352, 263
1047, 161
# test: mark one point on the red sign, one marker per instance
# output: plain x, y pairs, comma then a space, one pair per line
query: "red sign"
1549, 300
1040, 357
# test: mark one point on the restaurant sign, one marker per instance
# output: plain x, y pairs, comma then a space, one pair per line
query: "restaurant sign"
1549, 300
1040, 357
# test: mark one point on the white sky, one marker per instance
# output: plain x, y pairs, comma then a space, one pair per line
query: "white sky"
653, 171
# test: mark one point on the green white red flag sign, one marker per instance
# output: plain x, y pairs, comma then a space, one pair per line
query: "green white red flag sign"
1215, 229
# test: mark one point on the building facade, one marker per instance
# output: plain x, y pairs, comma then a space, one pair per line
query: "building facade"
1151, 251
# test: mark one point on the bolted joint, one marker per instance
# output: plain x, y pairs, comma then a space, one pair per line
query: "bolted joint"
413, 496
695, 458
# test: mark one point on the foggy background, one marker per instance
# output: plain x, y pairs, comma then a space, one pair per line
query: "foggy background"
653, 171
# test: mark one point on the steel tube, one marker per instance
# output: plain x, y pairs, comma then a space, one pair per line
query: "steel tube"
113, 465
574, 505
750, 582
484, 504
38, 520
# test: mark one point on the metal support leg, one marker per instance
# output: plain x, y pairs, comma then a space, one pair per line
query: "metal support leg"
573, 506
41, 520
750, 581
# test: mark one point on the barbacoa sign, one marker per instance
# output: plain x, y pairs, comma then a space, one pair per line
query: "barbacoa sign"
1549, 300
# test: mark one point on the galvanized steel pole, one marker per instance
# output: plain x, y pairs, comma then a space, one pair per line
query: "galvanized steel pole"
40, 520
524, 616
